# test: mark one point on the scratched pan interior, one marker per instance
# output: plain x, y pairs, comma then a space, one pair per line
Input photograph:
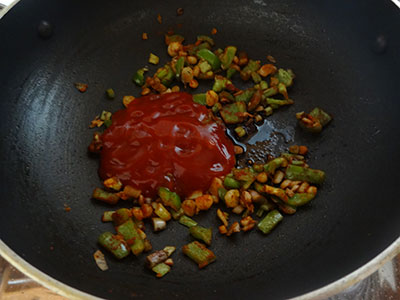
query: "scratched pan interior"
44, 137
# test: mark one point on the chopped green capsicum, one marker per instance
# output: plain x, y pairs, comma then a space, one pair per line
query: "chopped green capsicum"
245, 174
121, 216
252, 66
161, 269
138, 77
245, 96
305, 174
186, 221
270, 221
272, 165
129, 231
323, 117
169, 198
206, 38
201, 233
199, 253
300, 199
210, 57
115, 244
233, 113
200, 99
227, 56
231, 183
180, 63
220, 83
285, 76
105, 196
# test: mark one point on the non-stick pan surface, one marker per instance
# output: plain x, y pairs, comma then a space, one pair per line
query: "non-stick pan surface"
340, 66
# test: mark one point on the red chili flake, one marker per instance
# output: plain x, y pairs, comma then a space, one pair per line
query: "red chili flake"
214, 31
144, 36
82, 87
179, 11
159, 18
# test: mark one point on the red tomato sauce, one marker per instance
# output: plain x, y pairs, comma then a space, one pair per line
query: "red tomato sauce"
165, 140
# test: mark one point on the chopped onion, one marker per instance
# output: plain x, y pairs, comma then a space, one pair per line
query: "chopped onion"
156, 258
158, 224
100, 260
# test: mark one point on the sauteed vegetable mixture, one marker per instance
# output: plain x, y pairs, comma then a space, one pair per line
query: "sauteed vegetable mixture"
168, 154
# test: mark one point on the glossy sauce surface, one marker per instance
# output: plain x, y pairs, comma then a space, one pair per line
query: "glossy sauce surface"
165, 140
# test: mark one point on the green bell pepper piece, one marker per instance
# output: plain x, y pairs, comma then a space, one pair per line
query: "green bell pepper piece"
305, 174
115, 245
161, 269
323, 117
286, 208
121, 216
199, 253
256, 77
285, 76
216, 107
180, 63
271, 166
227, 56
105, 196
272, 91
200, 99
231, 183
245, 96
201, 233
221, 193
275, 103
107, 216
252, 66
300, 199
186, 221
245, 174
138, 77
227, 95
233, 113
205, 38
263, 85
220, 83
169, 198
204, 66
129, 231
210, 57
270, 221
167, 79
177, 214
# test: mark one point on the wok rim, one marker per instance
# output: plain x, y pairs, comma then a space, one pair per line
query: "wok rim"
324, 292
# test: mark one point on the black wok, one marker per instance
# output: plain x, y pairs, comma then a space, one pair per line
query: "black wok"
346, 55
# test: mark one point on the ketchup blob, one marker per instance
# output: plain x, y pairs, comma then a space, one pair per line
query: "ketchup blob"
165, 140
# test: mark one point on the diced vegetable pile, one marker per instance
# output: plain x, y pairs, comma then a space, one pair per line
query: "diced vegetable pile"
193, 62
261, 194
